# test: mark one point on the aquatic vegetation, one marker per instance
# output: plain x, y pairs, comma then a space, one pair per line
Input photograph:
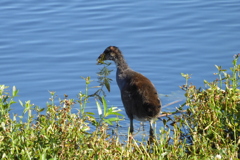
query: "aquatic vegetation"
213, 116
209, 129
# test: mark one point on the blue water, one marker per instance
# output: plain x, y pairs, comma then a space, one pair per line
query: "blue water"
47, 46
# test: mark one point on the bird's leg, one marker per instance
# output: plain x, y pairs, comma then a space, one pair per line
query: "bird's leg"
151, 128
131, 125
151, 133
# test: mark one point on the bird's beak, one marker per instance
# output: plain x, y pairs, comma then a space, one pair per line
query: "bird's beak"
100, 59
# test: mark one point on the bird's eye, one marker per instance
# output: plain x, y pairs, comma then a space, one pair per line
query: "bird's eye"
112, 54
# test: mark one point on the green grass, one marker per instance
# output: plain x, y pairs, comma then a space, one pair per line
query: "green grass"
209, 129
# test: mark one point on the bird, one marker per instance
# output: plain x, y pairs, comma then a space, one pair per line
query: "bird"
138, 94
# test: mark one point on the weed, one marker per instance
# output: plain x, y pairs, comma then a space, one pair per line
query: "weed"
209, 129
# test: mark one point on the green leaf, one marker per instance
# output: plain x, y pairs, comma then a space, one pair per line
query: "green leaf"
21, 103
107, 121
14, 91
99, 108
115, 113
218, 67
110, 120
104, 106
107, 85
114, 119
90, 113
12, 102
183, 75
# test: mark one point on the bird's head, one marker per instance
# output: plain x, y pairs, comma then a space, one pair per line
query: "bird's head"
110, 53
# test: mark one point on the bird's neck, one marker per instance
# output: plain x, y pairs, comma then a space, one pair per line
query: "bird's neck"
121, 73
121, 64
